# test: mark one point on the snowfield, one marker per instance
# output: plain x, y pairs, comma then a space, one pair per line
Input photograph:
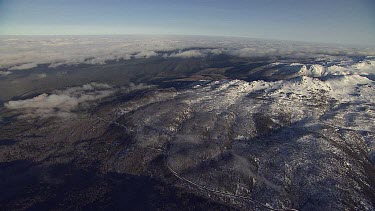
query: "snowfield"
302, 142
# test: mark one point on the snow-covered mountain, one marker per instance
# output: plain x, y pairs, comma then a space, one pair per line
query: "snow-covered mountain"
246, 124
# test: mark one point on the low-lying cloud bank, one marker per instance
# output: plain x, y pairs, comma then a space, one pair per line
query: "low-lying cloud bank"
18, 53
63, 103
194, 53
4, 73
60, 102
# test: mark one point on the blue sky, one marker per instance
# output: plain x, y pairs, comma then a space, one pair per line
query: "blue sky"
336, 21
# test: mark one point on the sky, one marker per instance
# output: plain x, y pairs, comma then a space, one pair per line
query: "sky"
327, 21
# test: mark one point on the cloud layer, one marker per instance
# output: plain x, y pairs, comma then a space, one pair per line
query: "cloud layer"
18, 53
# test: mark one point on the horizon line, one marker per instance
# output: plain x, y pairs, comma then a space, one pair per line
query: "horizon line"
194, 35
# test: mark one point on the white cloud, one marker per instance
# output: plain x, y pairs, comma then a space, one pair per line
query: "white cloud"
60, 102
134, 87
216, 51
5, 73
188, 54
145, 54
42, 75
29, 51
24, 66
